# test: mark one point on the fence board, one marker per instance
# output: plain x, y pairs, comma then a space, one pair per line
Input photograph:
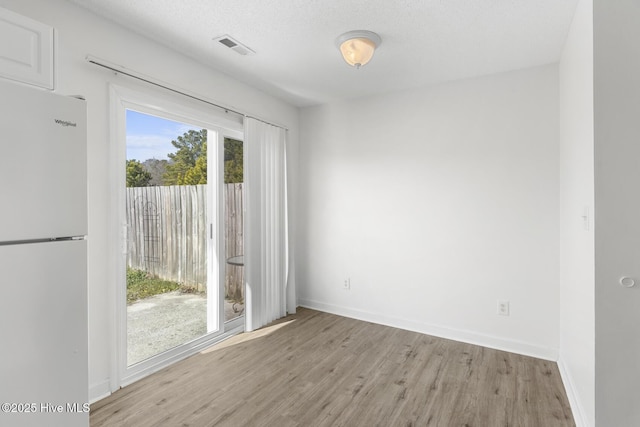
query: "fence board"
167, 234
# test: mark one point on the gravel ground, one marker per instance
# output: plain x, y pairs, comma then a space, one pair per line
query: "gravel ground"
164, 321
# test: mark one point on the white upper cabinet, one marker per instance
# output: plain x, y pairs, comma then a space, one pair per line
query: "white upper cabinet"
26, 50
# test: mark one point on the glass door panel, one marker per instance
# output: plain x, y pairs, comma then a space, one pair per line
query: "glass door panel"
169, 302
233, 229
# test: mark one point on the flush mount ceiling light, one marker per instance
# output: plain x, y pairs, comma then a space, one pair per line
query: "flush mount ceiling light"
357, 47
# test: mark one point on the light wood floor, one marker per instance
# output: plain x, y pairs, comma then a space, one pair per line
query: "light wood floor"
318, 369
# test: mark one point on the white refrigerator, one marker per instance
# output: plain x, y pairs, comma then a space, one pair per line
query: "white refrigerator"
43, 258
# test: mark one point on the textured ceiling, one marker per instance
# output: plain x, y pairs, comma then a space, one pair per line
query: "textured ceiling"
423, 41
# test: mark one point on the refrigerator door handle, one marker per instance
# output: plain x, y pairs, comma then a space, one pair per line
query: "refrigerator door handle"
45, 240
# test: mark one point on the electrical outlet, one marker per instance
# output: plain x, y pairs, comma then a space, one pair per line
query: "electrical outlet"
503, 308
346, 285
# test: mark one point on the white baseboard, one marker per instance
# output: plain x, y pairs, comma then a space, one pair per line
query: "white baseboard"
577, 409
470, 337
99, 391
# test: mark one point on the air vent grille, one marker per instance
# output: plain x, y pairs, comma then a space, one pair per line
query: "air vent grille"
234, 45
228, 42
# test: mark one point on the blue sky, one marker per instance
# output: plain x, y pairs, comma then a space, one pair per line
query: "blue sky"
149, 137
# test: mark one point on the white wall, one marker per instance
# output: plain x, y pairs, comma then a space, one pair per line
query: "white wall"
80, 33
437, 202
617, 232
577, 270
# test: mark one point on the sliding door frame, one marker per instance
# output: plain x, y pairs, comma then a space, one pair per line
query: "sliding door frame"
173, 107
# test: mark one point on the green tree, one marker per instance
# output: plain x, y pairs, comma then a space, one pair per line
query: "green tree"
137, 176
233, 161
198, 173
190, 147
188, 165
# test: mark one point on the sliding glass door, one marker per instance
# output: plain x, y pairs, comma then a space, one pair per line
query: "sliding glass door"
174, 293
170, 297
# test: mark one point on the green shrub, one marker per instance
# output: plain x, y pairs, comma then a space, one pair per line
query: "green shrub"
141, 284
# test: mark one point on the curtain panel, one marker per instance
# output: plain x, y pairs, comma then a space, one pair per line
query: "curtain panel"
266, 226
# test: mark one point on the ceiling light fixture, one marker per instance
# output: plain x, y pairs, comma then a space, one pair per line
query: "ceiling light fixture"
357, 47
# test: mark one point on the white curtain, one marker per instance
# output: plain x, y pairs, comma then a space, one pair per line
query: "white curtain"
265, 221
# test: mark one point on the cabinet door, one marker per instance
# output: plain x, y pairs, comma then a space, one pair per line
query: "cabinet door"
29, 56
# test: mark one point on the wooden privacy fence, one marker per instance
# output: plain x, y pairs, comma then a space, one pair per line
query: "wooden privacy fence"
167, 234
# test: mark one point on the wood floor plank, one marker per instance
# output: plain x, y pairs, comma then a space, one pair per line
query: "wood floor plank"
318, 369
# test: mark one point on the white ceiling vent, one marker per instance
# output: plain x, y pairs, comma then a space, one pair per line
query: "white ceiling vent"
234, 45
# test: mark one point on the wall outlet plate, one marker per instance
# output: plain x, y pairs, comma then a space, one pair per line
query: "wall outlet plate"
503, 308
346, 285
